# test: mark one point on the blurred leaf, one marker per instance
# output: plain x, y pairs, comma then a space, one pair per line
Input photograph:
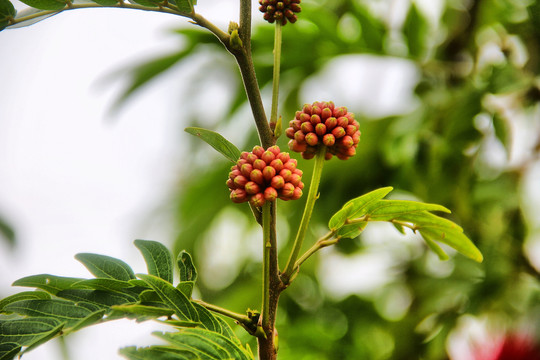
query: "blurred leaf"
45, 4
503, 132
6, 231
173, 297
26, 332
25, 295
141, 312
106, 267
416, 31
158, 259
218, 142
157, 353
50, 283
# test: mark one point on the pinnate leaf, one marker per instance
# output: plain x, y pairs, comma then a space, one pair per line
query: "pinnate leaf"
172, 297
102, 266
158, 259
218, 142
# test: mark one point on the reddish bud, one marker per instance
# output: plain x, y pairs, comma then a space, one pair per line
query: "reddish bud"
257, 176
295, 124
269, 172
274, 150
277, 182
296, 146
342, 121
295, 179
315, 119
230, 184
258, 150
351, 130
304, 117
252, 187
288, 190
326, 113
356, 137
251, 158
284, 157
286, 174
312, 139
268, 156
307, 108
257, 200
290, 165
297, 194
320, 129
307, 127
340, 111
259, 164
330, 123
246, 169
338, 132
329, 140
289, 132
240, 181
238, 196
299, 136
347, 141
270, 194
277, 164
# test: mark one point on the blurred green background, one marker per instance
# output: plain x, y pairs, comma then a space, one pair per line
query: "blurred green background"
457, 123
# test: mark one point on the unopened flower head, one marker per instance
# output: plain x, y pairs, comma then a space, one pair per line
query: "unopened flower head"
265, 175
323, 124
280, 10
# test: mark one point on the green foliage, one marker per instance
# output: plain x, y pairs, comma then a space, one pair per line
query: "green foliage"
218, 142
7, 12
65, 305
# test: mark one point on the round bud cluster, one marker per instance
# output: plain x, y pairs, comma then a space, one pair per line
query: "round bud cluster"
265, 175
280, 10
324, 124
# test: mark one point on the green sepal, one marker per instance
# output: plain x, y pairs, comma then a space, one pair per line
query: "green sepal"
217, 141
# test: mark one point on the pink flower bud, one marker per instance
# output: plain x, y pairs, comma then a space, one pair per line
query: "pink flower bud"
284, 157
251, 158
288, 190
340, 111
290, 165
330, 123
347, 141
246, 169
342, 121
307, 108
304, 117
315, 119
296, 146
316, 110
274, 150
240, 181
351, 130
295, 179
286, 174
268, 156
299, 136
295, 124
259, 164
307, 127
230, 184
258, 150
297, 194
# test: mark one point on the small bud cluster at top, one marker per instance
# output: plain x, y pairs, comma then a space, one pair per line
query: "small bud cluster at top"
280, 10
324, 124
265, 175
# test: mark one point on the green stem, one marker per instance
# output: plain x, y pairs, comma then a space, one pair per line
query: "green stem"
327, 240
290, 268
267, 246
277, 64
243, 319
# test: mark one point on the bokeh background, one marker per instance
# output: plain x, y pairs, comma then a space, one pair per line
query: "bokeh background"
93, 155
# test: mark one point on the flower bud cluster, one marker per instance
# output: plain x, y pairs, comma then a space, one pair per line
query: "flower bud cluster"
265, 175
324, 124
280, 10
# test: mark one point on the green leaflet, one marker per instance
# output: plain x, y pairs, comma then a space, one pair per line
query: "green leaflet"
218, 142
102, 284
186, 287
45, 4
158, 259
140, 312
188, 271
173, 297
386, 210
26, 332
65, 311
157, 353
354, 207
100, 298
90, 319
50, 283
206, 344
25, 295
9, 350
102, 266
